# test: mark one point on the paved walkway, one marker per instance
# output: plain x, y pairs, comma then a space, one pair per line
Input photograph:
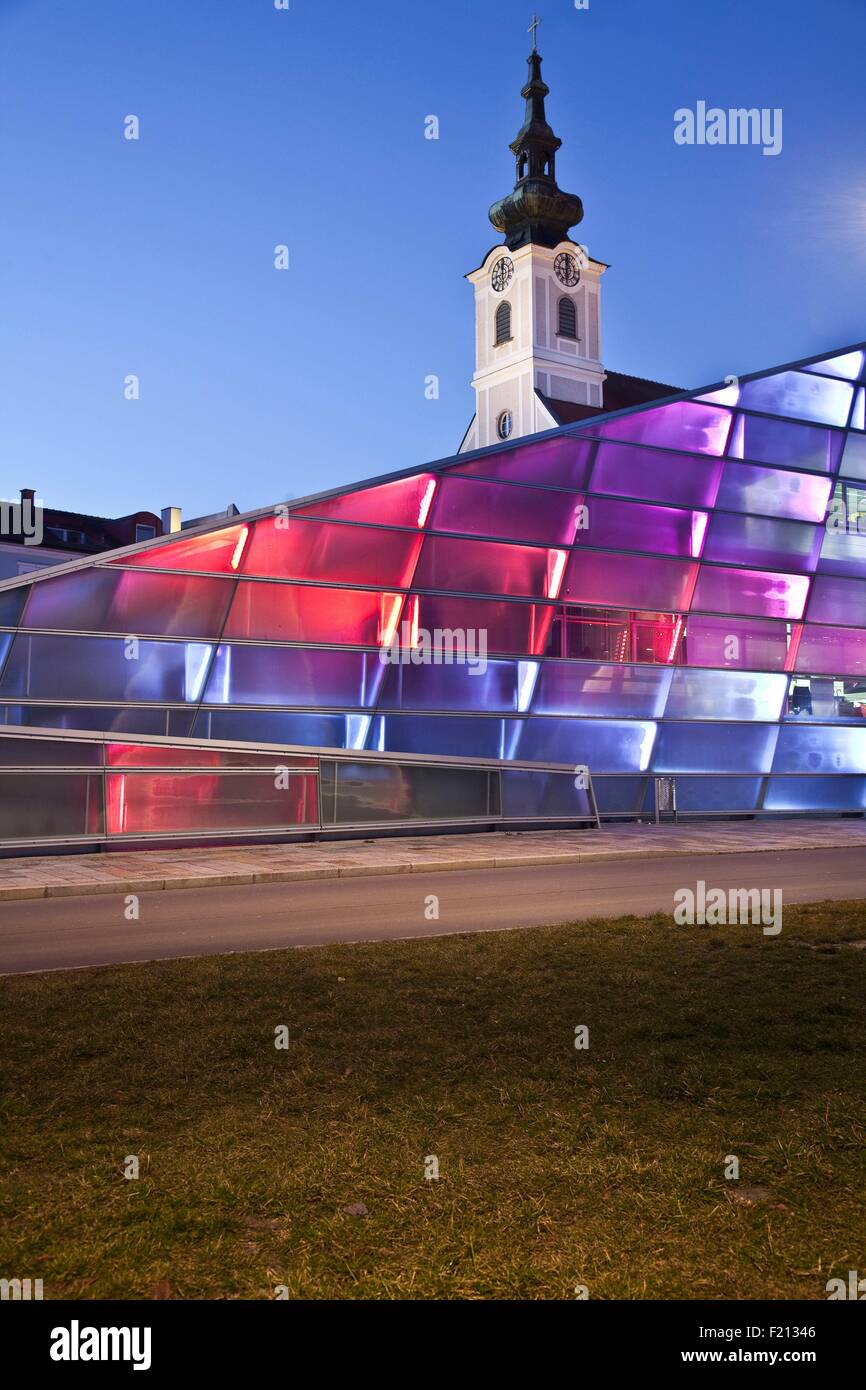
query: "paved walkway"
150, 870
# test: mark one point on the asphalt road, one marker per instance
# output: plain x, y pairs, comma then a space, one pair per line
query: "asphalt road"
65, 933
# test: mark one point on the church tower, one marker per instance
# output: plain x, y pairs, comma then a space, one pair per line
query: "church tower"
537, 297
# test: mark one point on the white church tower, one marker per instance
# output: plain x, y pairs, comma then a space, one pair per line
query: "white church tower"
537, 297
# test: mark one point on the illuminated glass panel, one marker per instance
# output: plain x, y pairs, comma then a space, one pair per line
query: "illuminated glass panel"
481, 685
153, 756
466, 737
801, 395
218, 552
103, 668
785, 442
513, 513
625, 471
825, 698
117, 719
520, 628
294, 613
811, 748
562, 462
141, 803
576, 688
841, 601
537, 794
274, 726
744, 644
760, 540
832, 651
726, 695
854, 457
405, 502
600, 745
770, 491
330, 552
715, 748
628, 581
848, 365
815, 794
127, 601
610, 634
751, 591
699, 429
486, 567
843, 552
293, 676
634, 526
707, 795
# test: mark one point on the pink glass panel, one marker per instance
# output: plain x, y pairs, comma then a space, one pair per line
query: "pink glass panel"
700, 429
294, 613
751, 591
625, 471
486, 567
513, 513
158, 755
628, 581
519, 628
632, 526
141, 803
218, 552
743, 644
832, 651
405, 502
322, 550
840, 601
562, 462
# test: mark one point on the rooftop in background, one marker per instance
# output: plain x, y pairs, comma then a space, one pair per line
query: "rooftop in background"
620, 392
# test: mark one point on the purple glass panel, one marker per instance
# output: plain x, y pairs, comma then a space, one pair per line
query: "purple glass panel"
625, 471
293, 676
751, 592
567, 687
11, 604
746, 487
854, 457
762, 541
699, 429
130, 601
521, 628
787, 443
843, 552
558, 462
629, 581
797, 393
841, 601
632, 526
512, 513
332, 553
832, 651
405, 502
743, 644
485, 567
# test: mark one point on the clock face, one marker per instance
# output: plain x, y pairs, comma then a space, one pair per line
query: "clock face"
566, 269
503, 271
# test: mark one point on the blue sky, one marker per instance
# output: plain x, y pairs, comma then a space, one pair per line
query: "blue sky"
306, 127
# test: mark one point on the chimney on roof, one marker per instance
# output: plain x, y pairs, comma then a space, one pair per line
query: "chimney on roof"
171, 520
28, 494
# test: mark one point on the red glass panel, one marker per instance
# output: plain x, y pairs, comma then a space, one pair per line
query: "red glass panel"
487, 567
219, 552
406, 502
140, 803
289, 613
519, 628
327, 551
162, 755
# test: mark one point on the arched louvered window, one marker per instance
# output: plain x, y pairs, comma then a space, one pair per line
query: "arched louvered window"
567, 318
503, 323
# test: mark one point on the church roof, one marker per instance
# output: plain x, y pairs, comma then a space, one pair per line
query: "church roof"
620, 393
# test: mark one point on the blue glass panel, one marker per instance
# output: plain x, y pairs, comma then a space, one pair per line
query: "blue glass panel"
503, 686
785, 442
103, 668
130, 601
803, 396
538, 794
615, 690
5, 644
823, 698
715, 748
430, 733
815, 794
293, 676
271, 726
762, 541
854, 457
713, 794
619, 795
726, 695
600, 745
126, 719
815, 748
11, 604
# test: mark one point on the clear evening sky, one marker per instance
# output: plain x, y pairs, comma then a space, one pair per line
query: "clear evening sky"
306, 127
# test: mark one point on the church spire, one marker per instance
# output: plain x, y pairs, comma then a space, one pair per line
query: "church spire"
537, 210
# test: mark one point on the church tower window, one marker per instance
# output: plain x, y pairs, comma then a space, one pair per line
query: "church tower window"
567, 327
503, 323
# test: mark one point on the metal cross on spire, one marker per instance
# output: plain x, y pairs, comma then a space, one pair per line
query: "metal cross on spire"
533, 30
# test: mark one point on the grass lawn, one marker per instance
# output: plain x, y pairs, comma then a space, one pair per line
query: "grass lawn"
557, 1167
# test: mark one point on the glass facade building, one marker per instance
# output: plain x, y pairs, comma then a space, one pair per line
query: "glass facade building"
677, 590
